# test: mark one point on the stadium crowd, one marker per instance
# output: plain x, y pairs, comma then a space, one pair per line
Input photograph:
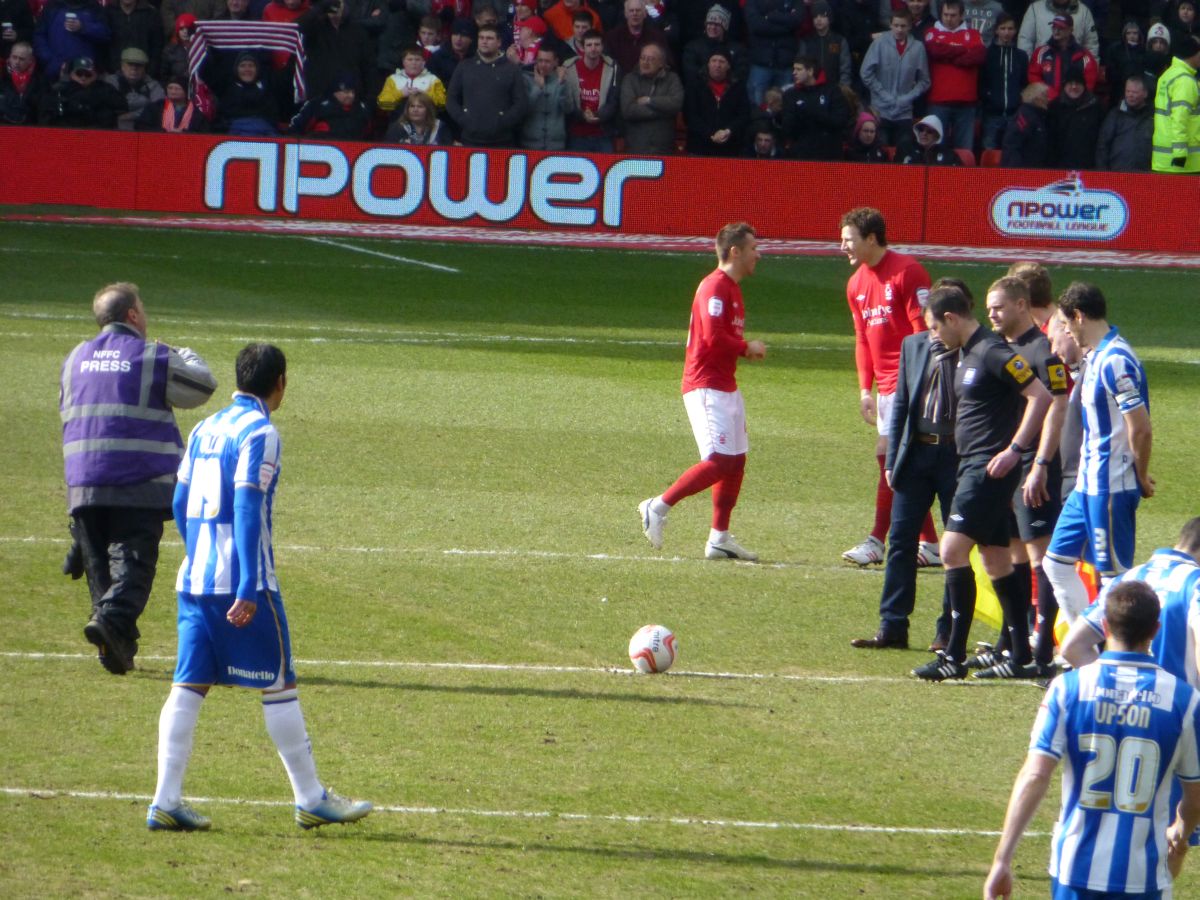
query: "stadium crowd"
933, 82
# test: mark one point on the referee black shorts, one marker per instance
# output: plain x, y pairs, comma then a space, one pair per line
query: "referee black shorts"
982, 506
1033, 522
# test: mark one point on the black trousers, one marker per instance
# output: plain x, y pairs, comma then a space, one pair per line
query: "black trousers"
120, 556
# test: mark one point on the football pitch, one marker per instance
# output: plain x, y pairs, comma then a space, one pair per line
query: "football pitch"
467, 431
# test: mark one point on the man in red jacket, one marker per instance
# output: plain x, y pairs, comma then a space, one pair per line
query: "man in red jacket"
956, 53
1052, 60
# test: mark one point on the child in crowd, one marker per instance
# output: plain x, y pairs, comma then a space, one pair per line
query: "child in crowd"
413, 77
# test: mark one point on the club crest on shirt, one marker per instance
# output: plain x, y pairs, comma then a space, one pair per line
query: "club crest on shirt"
1019, 369
969, 375
887, 292
922, 297
716, 306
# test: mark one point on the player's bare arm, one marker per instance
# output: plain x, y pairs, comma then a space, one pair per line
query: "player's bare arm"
866, 406
1034, 492
1187, 817
1031, 787
1140, 439
1037, 400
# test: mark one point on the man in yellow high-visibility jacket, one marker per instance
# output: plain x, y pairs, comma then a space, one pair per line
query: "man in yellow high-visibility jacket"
1177, 113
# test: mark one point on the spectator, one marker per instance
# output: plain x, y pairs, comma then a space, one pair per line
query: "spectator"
236, 11
923, 18
716, 36
1005, 74
16, 24
334, 46
1026, 143
1158, 56
1181, 20
531, 31
594, 95
340, 116
764, 142
625, 42
661, 15
449, 56
771, 26
956, 53
137, 87
174, 113
396, 32
284, 11
247, 104
896, 72
545, 125
487, 95
930, 149
865, 145
828, 48
1128, 131
651, 99
429, 35
982, 15
134, 23
412, 78
200, 10
82, 100
1177, 113
1073, 121
717, 111
582, 24
1126, 56
418, 124
21, 87
174, 62
68, 30
1051, 60
561, 18
859, 22
815, 115
1038, 24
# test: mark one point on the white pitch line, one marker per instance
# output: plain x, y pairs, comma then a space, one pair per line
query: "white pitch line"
691, 821
382, 255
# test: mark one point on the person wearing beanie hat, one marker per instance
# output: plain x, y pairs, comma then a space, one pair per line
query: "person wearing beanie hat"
694, 59
1050, 61
246, 106
717, 112
174, 59
929, 149
1037, 25
175, 113
830, 49
1177, 113
865, 145
1073, 122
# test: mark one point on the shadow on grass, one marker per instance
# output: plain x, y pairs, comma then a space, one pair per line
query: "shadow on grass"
647, 854
539, 693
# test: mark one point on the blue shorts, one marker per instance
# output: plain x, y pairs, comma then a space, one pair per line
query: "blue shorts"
1062, 892
212, 651
1098, 528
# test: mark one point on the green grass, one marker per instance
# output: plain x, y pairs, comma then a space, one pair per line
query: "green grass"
462, 458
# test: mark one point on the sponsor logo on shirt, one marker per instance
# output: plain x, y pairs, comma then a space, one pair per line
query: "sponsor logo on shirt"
877, 315
1058, 377
1018, 369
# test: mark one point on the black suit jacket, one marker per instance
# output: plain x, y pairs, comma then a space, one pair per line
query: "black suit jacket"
906, 410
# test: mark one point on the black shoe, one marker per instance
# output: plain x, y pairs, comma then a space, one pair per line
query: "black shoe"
986, 660
1006, 668
116, 653
880, 641
942, 668
73, 564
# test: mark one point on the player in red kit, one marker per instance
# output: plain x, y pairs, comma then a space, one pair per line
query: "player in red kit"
711, 396
887, 295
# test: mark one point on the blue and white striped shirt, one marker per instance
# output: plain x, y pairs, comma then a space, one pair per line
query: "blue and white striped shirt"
236, 448
1114, 383
1122, 727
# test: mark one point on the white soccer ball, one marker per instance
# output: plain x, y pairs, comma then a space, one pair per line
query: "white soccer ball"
653, 649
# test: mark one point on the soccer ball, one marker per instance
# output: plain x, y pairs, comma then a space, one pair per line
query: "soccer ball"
652, 649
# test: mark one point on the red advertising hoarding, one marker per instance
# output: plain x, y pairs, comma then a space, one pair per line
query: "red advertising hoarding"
674, 196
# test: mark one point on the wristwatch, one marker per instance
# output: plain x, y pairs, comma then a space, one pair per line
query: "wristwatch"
1016, 447
1041, 461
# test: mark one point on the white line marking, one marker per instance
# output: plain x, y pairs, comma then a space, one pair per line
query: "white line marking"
693, 821
391, 256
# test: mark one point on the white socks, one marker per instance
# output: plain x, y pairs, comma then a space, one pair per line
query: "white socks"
285, 724
659, 508
176, 728
1068, 588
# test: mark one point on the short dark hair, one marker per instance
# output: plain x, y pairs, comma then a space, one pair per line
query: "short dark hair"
1005, 19
952, 282
869, 222
411, 50
494, 29
582, 15
735, 234
552, 49
1010, 286
1140, 79
1189, 537
259, 367
432, 22
958, 3
901, 14
1035, 276
809, 62
113, 302
1132, 609
1187, 46
1084, 298
945, 300
592, 34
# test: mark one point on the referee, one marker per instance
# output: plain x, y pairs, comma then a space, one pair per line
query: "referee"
991, 432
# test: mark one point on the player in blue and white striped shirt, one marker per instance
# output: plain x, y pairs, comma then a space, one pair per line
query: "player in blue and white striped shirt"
1098, 520
1124, 728
232, 625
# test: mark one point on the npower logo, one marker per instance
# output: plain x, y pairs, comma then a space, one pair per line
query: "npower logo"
1064, 210
558, 190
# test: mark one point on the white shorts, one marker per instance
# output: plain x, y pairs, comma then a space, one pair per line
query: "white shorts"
718, 421
883, 413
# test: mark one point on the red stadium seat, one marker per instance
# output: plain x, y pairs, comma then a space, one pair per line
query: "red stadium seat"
990, 159
967, 156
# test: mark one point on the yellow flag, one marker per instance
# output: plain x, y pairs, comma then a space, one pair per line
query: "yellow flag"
987, 604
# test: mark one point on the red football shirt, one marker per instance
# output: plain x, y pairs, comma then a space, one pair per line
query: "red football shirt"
715, 335
887, 303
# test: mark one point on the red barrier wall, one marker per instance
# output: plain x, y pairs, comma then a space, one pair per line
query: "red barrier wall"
677, 196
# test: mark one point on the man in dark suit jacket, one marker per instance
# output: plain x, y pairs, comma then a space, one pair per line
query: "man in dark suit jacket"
921, 464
